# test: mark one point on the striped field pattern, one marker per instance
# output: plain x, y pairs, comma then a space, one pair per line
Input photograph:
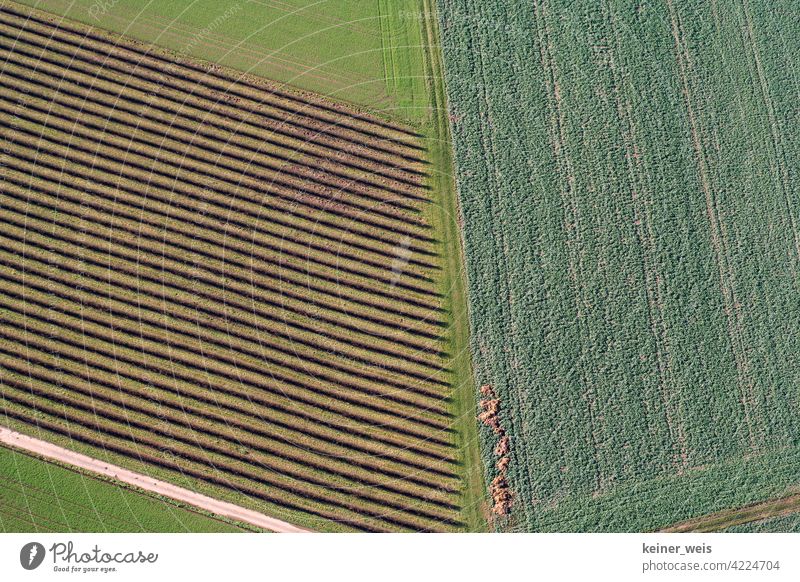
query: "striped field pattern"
224, 280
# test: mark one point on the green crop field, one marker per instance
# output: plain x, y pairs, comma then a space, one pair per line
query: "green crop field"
369, 53
630, 210
38, 496
783, 524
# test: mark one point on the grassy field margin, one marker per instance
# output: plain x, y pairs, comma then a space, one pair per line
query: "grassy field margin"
152, 513
445, 220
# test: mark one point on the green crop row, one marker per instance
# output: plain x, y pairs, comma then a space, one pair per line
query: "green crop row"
632, 249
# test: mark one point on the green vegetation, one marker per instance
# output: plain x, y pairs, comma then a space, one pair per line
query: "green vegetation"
444, 215
39, 496
783, 524
369, 53
630, 222
741, 515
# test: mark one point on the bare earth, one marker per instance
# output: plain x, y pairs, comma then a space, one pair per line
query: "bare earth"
229, 510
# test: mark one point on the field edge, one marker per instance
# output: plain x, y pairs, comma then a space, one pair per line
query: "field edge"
411, 123
104, 481
446, 222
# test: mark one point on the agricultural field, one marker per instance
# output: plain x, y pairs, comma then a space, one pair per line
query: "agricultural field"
784, 524
39, 496
227, 284
630, 209
768, 511
368, 53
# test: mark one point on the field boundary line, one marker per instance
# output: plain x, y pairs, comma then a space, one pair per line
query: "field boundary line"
253, 57
453, 262
223, 508
720, 520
